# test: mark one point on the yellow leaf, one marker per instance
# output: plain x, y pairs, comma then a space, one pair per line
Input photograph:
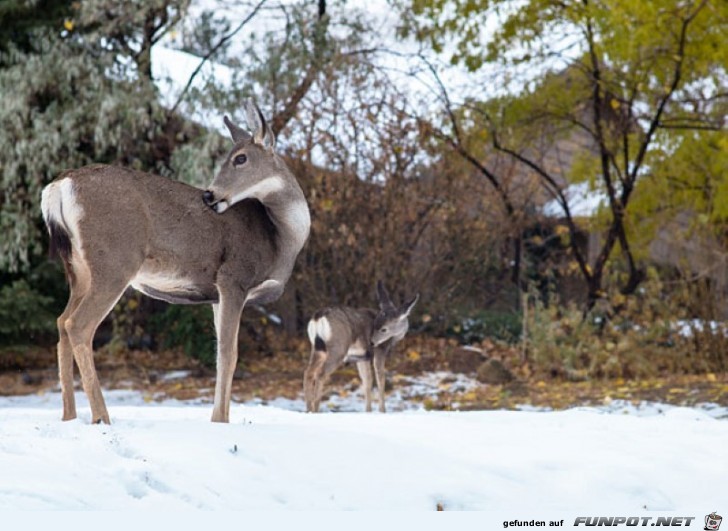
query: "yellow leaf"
614, 103
710, 377
68, 24
413, 355
469, 396
560, 230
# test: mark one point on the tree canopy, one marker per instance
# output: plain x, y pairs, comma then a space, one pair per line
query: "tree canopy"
639, 82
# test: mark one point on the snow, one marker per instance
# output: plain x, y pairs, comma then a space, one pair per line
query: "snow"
168, 456
583, 202
686, 328
172, 70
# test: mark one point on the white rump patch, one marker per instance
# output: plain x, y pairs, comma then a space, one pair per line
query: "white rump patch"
59, 204
319, 327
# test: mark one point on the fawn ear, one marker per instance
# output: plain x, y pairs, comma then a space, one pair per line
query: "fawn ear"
385, 302
407, 306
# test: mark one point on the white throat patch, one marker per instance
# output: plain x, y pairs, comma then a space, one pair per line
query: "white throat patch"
260, 190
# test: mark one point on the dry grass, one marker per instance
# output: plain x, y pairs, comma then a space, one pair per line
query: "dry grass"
279, 374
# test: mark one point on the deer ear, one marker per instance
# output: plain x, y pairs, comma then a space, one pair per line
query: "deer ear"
385, 302
236, 132
407, 306
262, 135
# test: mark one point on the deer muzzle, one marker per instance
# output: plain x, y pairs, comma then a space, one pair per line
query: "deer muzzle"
218, 205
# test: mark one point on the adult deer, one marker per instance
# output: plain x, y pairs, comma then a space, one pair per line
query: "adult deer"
365, 336
234, 243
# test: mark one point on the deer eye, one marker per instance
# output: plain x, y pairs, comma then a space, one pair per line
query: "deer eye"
383, 330
240, 160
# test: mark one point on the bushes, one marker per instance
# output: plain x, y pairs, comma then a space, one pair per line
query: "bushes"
502, 326
188, 327
30, 305
24, 313
645, 335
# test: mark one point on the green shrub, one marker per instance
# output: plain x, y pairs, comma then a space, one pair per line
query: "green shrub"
189, 327
502, 326
645, 335
25, 313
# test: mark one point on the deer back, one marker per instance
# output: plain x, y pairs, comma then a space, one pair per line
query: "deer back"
159, 232
343, 330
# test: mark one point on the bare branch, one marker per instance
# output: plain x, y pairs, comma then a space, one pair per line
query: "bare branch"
281, 119
213, 51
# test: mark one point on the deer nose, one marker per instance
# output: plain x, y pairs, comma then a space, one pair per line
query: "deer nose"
208, 197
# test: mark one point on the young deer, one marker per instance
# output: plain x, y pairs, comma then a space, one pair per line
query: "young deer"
229, 245
342, 334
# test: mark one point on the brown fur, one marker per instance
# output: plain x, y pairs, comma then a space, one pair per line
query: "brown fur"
350, 329
134, 228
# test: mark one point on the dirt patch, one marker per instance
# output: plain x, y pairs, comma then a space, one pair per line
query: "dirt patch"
268, 376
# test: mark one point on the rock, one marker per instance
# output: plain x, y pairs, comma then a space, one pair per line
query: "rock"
466, 360
493, 372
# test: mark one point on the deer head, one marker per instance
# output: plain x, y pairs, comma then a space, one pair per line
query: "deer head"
251, 169
391, 321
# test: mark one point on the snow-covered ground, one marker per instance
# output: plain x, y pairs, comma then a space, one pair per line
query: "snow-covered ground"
168, 456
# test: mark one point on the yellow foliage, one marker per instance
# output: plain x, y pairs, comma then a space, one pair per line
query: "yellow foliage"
560, 230
470, 396
68, 24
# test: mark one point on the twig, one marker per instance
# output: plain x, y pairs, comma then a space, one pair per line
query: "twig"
212, 52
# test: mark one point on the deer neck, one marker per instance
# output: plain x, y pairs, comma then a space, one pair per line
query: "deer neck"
288, 210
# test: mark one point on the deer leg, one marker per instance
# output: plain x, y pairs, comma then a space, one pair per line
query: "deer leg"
80, 327
365, 372
77, 288
65, 358
318, 392
311, 376
227, 325
381, 378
